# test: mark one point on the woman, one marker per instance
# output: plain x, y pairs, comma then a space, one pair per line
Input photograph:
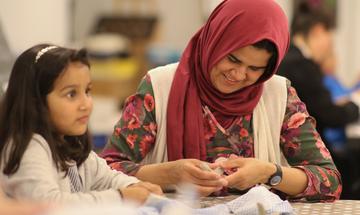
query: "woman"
223, 100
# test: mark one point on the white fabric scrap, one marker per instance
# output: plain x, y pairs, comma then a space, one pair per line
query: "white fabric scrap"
247, 204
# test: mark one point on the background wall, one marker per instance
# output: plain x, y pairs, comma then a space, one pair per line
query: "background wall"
347, 41
174, 27
286, 5
179, 20
26, 23
83, 20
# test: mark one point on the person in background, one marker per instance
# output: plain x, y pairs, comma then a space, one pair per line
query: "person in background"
311, 44
344, 141
335, 136
223, 100
337, 90
45, 147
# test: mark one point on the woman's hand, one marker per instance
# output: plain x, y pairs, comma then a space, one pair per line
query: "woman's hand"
249, 172
190, 171
139, 192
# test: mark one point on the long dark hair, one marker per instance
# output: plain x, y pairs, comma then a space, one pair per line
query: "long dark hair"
24, 110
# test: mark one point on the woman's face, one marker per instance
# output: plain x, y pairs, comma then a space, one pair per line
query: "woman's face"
239, 69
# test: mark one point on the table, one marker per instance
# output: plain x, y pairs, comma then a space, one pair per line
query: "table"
344, 207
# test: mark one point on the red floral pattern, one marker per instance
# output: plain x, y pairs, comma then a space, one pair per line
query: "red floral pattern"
297, 120
149, 102
134, 136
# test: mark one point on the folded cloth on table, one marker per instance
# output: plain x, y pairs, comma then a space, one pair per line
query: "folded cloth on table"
247, 204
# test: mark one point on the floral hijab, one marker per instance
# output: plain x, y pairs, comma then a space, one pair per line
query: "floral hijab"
232, 25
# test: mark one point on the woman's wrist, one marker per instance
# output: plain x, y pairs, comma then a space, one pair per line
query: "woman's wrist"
270, 169
168, 172
160, 173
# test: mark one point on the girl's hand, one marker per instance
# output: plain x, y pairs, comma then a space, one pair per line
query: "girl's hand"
140, 191
250, 171
12, 207
190, 171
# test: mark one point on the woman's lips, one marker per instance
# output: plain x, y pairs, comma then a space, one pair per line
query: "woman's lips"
230, 80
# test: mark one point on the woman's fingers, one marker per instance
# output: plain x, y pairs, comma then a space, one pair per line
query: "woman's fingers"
236, 181
196, 171
213, 166
249, 172
205, 191
208, 183
203, 177
243, 173
200, 174
233, 163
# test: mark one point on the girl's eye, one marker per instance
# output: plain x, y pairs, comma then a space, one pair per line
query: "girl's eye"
71, 94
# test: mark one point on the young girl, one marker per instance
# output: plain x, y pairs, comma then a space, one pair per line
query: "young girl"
44, 143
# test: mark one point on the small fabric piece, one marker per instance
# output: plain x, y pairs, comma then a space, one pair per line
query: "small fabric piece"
247, 203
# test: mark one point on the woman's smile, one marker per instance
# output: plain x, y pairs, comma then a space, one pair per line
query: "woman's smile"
242, 68
229, 79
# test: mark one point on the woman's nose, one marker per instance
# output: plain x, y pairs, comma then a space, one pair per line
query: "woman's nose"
239, 73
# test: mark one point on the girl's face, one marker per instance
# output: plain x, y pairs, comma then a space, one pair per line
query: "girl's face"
70, 102
239, 69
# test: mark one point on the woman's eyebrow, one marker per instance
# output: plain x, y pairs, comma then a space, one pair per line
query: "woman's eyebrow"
235, 59
258, 67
